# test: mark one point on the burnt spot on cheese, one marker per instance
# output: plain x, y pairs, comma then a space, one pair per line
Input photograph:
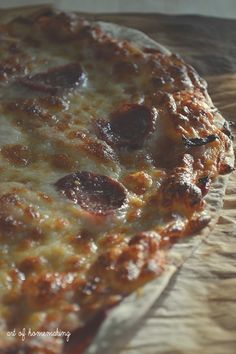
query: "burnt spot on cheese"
17, 154
62, 162
138, 182
99, 150
197, 222
204, 184
123, 70
37, 106
111, 240
10, 67
174, 229
9, 224
174, 190
225, 168
134, 264
95, 193
14, 215
199, 141
160, 81
148, 240
226, 129
94, 147
150, 50
56, 79
30, 113
170, 74
195, 78
54, 103
129, 126
32, 264
179, 73
173, 153
44, 289
183, 114
185, 75
17, 279
109, 49
83, 242
179, 190
64, 27
14, 47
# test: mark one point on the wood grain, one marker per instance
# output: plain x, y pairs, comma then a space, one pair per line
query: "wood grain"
226, 8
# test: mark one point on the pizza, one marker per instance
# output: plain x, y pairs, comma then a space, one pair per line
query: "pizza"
109, 148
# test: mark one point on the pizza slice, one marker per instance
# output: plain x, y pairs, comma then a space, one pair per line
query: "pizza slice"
108, 149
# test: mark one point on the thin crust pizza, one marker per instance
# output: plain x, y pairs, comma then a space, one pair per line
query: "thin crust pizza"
109, 148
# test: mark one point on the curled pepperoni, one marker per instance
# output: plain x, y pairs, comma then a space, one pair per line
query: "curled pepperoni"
129, 126
56, 79
93, 192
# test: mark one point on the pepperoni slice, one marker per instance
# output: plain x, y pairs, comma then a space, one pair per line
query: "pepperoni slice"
129, 126
93, 192
56, 79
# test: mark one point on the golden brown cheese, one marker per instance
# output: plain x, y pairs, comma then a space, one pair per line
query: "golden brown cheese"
107, 151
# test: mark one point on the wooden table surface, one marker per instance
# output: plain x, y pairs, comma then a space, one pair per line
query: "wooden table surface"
220, 8
180, 327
